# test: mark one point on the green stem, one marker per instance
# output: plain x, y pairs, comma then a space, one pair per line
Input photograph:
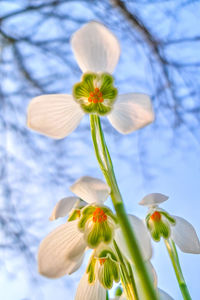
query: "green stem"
106, 166
107, 295
171, 248
133, 281
126, 275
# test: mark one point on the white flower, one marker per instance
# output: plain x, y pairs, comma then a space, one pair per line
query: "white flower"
62, 251
161, 224
86, 291
97, 52
103, 268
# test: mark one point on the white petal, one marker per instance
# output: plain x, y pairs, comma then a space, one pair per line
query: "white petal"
95, 48
75, 264
91, 189
152, 272
54, 115
61, 251
164, 296
131, 112
142, 236
63, 207
86, 291
184, 235
153, 199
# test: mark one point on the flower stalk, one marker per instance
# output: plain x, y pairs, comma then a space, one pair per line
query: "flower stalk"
171, 248
127, 278
106, 166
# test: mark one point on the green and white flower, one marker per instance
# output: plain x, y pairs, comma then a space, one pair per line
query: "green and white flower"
103, 266
162, 224
97, 52
89, 223
102, 271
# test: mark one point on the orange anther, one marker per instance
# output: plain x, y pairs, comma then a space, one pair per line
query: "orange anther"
95, 100
101, 100
156, 216
99, 215
96, 90
102, 261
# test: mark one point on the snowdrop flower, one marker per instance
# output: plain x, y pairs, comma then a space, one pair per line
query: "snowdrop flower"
89, 224
103, 268
162, 224
97, 52
102, 271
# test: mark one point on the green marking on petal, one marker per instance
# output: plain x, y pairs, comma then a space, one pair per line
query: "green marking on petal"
94, 237
95, 93
108, 271
82, 222
155, 232
100, 232
107, 232
159, 228
105, 253
88, 210
75, 214
91, 270
107, 89
83, 88
168, 217
165, 230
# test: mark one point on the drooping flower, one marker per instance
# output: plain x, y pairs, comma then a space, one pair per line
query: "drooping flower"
161, 224
89, 223
102, 271
97, 52
104, 266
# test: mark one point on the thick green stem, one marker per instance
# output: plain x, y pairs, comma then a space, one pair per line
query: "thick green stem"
106, 166
171, 248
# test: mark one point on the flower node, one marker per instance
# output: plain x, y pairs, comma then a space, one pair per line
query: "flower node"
102, 261
95, 96
156, 216
99, 215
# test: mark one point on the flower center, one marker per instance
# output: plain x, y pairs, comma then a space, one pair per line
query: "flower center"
102, 261
95, 96
156, 216
99, 215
